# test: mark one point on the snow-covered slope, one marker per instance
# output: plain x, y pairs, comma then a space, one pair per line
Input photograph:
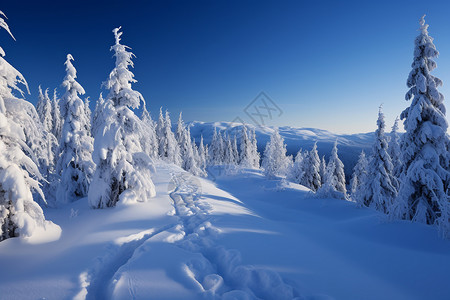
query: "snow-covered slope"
233, 237
350, 145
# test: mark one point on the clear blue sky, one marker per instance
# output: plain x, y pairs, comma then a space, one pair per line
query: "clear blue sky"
326, 64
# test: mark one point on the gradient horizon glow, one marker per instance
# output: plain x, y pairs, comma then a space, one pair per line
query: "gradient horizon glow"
326, 64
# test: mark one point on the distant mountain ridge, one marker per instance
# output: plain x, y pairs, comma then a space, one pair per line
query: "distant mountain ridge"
349, 145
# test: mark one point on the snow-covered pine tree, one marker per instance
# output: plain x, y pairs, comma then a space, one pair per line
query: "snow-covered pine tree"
95, 119
245, 160
228, 153
295, 173
88, 112
425, 179
381, 189
184, 142
311, 167
334, 182
149, 141
160, 134
44, 110
323, 168
359, 179
123, 170
216, 149
19, 214
172, 148
235, 150
338, 170
275, 162
74, 163
56, 116
202, 155
394, 149
40, 103
254, 150
191, 156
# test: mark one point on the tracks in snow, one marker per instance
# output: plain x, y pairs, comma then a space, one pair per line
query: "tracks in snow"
218, 273
96, 281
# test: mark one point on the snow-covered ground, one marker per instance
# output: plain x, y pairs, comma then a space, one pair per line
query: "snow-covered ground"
227, 237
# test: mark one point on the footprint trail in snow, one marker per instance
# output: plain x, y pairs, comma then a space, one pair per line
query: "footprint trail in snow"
219, 272
215, 272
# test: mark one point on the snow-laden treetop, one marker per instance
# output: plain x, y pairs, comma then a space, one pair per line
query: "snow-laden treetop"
69, 82
121, 78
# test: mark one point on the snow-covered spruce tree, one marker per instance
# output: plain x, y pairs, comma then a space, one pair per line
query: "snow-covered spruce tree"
359, 179
202, 155
235, 150
184, 142
311, 167
160, 135
334, 182
323, 168
123, 170
75, 163
187, 148
254, 150
295, 173
44, 110
172, 148
149, 141
88, 112
275, 162
245, 159
19, 214
229, 158
394, 149
425, 179
216, 149
56, 117
95, 119
381, 188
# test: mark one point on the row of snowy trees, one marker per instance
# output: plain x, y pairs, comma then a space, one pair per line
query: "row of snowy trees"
409, 177
327, 179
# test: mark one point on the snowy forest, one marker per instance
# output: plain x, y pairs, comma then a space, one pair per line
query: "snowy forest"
60, 155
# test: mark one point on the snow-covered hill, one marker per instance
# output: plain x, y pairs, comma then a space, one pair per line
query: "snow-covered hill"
238, 237
350, 145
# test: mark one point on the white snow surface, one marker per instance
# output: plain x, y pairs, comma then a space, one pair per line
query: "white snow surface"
238, 236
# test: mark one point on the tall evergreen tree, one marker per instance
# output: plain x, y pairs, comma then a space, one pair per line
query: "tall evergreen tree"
425, 179
202, 155
172, 147
44, 110
246, 160
123, 169
19, 214
296, 172
96, 119
275, 162
381, 189
323, 168
254, 150
394, 149
149, 141
160, 134
311, 176
359, 179
334, 182
75, 163
56, 116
